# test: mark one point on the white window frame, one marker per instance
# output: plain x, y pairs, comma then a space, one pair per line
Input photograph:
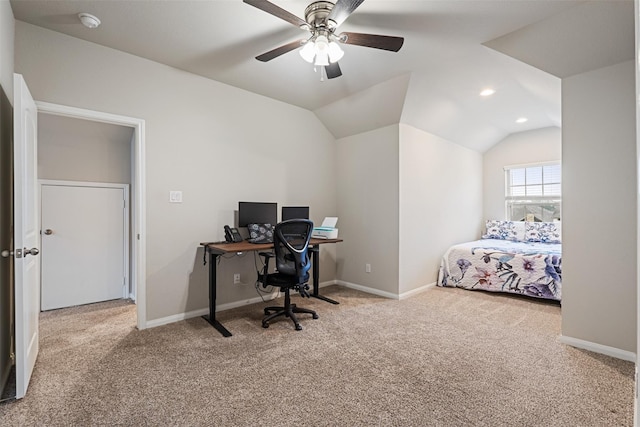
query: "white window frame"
528, 200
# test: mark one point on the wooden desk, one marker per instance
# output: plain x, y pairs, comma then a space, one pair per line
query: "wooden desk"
217, 249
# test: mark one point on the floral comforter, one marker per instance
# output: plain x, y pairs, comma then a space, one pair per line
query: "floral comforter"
526, 268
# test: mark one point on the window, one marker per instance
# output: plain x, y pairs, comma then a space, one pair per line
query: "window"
533, 192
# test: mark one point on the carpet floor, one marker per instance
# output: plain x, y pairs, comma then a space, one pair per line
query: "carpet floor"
445, 357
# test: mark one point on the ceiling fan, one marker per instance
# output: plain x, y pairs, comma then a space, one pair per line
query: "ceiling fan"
322, 18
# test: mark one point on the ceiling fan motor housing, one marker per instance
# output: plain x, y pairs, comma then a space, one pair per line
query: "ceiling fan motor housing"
316, 15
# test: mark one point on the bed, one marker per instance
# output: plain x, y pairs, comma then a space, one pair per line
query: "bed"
525, 260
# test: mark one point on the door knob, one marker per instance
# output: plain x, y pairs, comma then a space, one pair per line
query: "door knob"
32, 251
48, 231
6, 253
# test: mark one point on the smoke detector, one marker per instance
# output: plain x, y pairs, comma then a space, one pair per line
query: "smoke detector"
89, 20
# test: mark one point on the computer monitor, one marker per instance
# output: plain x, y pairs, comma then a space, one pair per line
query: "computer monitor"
295, 212
257, 213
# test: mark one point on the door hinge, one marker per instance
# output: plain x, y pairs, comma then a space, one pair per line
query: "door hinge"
12, 356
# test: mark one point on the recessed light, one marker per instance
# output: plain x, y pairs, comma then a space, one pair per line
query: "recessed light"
521, 120
487, 92
89, 20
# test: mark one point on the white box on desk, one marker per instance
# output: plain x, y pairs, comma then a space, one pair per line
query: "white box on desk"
327, 230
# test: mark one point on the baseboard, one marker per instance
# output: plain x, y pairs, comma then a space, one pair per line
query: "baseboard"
203, 311
368, 290
598, 348
385, 293
235, 304
328, 283
417, 290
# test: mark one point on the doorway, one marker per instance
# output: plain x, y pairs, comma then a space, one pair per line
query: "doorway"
137, 271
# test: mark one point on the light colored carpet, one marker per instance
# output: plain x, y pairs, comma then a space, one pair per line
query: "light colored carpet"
446, 357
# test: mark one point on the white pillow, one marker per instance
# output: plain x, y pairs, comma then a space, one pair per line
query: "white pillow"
504, 230
545, 232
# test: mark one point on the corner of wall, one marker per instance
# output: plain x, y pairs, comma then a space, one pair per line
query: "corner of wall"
7, 36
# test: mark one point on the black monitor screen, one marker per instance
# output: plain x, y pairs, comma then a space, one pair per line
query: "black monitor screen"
257, 213
295, 212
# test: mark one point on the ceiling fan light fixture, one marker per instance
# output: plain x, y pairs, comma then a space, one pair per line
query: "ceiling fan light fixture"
335, 52
322, 44
322, 59
308, 52
322, 51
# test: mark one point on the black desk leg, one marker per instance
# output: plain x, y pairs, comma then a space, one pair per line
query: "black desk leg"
315, 250
211, 318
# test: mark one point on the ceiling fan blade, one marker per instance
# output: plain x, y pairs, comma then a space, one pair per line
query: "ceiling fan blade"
374, 40
342, 10
274, 10
333, 70
268, 56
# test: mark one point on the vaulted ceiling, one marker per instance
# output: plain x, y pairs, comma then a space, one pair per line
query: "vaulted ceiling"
452, 50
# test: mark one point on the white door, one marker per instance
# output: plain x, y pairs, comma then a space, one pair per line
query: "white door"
83, 245
26, 233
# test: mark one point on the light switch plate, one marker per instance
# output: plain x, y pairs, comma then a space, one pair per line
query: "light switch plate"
175, 196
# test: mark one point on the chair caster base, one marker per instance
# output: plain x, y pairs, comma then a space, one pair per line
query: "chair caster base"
298, 328
315, 316
265, 325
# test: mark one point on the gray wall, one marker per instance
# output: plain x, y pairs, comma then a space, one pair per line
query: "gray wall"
83, 150
535, 146
404, 197
368, 177
440, 203
216, 143
7, 25
599, 207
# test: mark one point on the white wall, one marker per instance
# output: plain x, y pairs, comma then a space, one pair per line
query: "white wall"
404, 196
368, 208
83, 150
535, 146
215, 143
440, 203
599, 207
7, 25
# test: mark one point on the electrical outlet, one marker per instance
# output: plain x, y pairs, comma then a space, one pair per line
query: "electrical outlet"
367, 268
236, 278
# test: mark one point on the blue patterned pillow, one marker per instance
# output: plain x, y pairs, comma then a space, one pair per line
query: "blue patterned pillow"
260, 233
545, 232
503, 230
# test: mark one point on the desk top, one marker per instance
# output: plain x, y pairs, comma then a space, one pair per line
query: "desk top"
245, 246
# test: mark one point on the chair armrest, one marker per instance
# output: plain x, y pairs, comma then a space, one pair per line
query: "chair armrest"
262, 277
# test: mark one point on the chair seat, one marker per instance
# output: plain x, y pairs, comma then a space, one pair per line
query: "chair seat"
284, 280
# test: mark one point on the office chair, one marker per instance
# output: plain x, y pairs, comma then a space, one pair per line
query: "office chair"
291, 242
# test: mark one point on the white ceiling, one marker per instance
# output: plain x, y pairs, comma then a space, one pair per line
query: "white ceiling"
441, 67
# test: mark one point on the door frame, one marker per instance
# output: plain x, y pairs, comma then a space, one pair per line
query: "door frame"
138, 193
127, 235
